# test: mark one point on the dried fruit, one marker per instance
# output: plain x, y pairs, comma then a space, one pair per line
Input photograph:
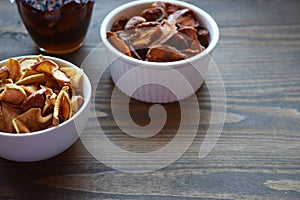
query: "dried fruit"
154, 14
164, 53
14, 69
36, 93
12, 94
133, 22
62, 107
4, 73
118, 43
32, 120
162, 27
35, 100
119, 24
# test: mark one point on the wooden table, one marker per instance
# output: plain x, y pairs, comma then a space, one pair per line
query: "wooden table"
257, 155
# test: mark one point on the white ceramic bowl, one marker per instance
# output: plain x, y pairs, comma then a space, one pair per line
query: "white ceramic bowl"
44, 144
158, 82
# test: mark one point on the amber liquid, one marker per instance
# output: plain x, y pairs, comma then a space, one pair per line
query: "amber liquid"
57, 31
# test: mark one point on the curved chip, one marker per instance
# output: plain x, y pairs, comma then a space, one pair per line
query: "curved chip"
32, 120
14, 69
13, 94
35, 94
62, 108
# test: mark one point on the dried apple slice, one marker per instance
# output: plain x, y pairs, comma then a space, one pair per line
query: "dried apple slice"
26, 63
184, 18
133, 22
13, 94
75, 75
154, 14
19, 126
61, 78
164, 53
146, 33
3, 84
33, 120
14, 69
35, 100
28, 72
29, 89
7, 113
33, 79
4, 73
118, 43
119, 24
46, 66
62, 108
76, 102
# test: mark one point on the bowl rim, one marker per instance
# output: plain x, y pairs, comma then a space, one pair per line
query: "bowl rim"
85, 104
174, 64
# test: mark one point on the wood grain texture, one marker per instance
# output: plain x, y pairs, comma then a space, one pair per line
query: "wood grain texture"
258, 153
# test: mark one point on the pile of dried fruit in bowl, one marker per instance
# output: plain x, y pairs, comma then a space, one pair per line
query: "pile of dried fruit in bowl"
36, 93
164, 32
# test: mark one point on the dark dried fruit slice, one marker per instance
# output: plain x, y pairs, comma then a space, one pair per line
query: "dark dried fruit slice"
164, 53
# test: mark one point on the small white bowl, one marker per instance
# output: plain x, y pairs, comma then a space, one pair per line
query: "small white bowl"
44, 144
158, 82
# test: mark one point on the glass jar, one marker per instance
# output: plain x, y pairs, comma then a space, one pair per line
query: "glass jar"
56, 26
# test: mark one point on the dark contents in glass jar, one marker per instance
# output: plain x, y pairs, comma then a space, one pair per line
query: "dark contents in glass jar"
59, 29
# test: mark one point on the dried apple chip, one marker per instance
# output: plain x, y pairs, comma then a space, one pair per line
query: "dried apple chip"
13, 94
33, 79
26, 63
61, 78
35, 94
164, 53
174, 27
7, 113
46, 66
51, 68
14, 69
118, 43
19, 126
3, 84
35, 100
75, 75
29, 72
62, 108
4, 73
76, 102
29, 89
33, 120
